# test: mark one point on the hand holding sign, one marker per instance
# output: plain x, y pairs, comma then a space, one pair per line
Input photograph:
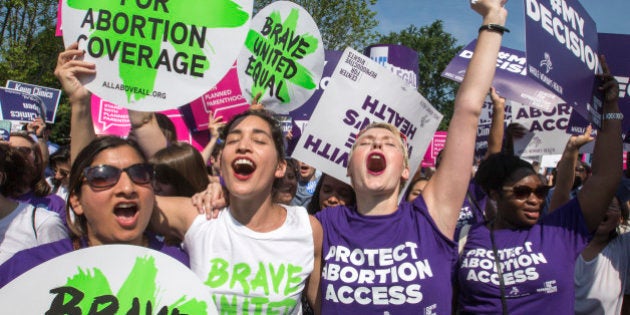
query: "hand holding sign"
69, 70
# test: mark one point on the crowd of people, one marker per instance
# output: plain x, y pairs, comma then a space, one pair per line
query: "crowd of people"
490, 240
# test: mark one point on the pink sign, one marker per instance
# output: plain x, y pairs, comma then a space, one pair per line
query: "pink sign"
224, 99
58, 31
111, 119
436, 145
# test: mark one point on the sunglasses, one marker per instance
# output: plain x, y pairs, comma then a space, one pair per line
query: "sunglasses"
523, 192
106, 176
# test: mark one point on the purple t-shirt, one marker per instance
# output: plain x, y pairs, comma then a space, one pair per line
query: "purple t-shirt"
537, 265
50, 202
30, 258
392, 264
474, 206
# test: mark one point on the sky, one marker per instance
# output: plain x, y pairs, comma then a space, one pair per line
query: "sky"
611, 16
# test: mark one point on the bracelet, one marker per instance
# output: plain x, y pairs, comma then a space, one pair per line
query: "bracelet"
494, 28
613, 116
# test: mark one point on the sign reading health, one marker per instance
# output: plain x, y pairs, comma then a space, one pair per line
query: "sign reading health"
510, 79
360, 92
20, 106
561, 45
153, 55
283, 59
108, 279
49, 96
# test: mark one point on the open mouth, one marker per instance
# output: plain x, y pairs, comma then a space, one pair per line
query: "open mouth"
243, 167
376, 163
126, 214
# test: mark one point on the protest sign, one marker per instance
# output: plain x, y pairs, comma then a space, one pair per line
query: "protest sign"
5, 130
156, 55
283, 59
20, 106
399, 59
615, 48
435, 146
49, 96
111, 119
361, 91
485, 124
223, 100
108, 279
546, 131
561, 46
510, 79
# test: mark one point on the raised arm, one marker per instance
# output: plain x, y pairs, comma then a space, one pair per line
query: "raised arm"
565, 174
69, 69
597, 192
495, 140
146, 131
213, 127
445, 192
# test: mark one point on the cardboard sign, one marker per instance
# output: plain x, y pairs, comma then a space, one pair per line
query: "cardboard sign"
283, 59
20, 106
49, 96
510, 79
156, 55
121, 279
360, 92
561, 46
223, 100
547, 131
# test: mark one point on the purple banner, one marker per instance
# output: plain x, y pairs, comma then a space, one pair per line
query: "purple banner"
561, 45
49, 96
20, 106
510, 79
399, 59
616, 47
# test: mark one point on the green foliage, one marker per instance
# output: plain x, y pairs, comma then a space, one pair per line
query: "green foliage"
435, 50
342, 23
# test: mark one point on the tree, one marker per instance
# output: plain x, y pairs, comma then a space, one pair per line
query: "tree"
342, 23
435, 50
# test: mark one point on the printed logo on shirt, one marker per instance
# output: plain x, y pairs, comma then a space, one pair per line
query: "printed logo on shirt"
518, 265
381, 276
258, 284
550, 287
429, 310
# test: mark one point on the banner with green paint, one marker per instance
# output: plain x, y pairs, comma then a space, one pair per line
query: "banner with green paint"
283, 59
108, 279
153, 55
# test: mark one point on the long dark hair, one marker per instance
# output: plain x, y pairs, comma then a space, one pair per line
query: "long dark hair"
500, 168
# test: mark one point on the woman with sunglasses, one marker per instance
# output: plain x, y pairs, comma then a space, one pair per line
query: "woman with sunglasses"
520, 262
111, 199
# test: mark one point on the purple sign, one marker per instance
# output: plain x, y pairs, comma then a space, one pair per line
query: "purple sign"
561, 45
399, 59
49, 96
20, 106
616, 47
510, 79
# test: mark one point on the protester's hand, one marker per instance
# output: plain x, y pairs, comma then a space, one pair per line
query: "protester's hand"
256, 105
69, 68
214, 125
498, 102
492, 11
577, 141
609, 86
37, 127
289, 135
210, 201
516, 130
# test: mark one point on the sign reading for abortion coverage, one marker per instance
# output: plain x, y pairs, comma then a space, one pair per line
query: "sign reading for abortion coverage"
283, 59
20, 106
360, 92
510, 79
49, 96
547, 131
561, 50
108, 279
153, 55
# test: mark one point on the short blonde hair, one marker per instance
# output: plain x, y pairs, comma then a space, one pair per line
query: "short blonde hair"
401, 137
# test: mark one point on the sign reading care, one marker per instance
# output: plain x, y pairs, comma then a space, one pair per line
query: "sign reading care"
360, 92
153, 55
108, 279
283, 59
